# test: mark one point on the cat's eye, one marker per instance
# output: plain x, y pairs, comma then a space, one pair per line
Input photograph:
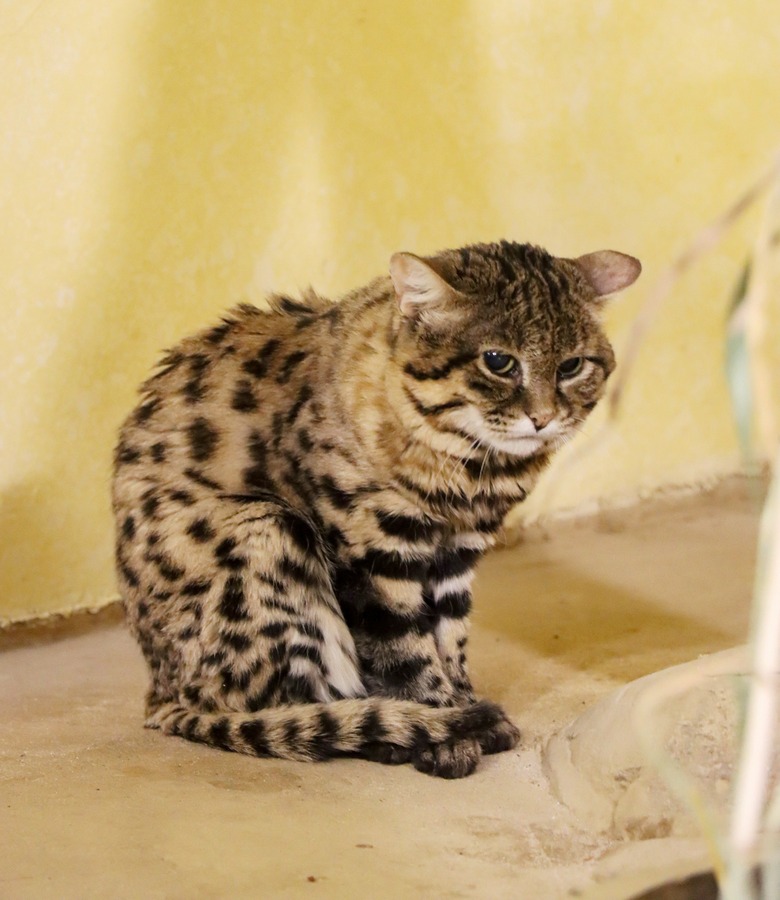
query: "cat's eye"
571, 367
499, 363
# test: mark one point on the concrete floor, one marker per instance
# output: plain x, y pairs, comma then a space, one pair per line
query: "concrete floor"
95, 806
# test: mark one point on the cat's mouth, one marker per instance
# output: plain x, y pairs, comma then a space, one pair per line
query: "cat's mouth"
518, 437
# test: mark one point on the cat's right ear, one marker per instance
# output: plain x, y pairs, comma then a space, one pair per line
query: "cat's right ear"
421, 292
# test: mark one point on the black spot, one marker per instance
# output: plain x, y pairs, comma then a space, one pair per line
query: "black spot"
227, 559
128, 527
277, 426
297, 572
214, 659
275, 681
219, 734
256, 480
451, 563
199, 478
203, 438
444, 500
311, 631
371, 728
303, 534
195, 588
192, 693
253, 733
146, 410
403, 670
304, 395
383, 623
157, 452
217, 334
189, 729
257, 448
194, 390
264, 578
292, 730
168, 364
200, 530
166, 567
389, 564
235, 681
277, 653
258, 365
456, 606
489, 526
436, 409
239, 642
353, 591
183, 497
438, 372
340, 498
407, 528
323, 744
244, 399
289, 365
188, 633
232, 605
292, 307
274, 630
126, 455
305, 441
150, 504
335, 538
306, 651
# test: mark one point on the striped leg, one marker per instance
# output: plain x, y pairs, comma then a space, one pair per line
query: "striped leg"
381, 595
384, 604
449, 593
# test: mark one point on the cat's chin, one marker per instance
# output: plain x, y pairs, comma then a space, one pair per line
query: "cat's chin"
518, 446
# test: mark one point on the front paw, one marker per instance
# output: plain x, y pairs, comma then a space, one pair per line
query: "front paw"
451, 759
504, 735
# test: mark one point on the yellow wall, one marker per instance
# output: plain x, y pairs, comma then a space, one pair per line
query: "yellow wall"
161, 160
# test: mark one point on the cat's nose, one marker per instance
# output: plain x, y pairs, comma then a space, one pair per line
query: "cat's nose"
541, 417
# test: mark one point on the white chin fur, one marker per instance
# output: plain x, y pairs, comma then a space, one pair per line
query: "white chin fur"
522, 444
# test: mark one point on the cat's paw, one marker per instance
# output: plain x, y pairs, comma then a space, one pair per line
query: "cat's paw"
504, 735
451, 759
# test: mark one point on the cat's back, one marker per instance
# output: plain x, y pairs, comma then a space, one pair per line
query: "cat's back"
221, 391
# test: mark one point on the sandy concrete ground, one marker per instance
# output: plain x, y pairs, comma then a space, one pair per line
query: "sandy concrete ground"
94, 806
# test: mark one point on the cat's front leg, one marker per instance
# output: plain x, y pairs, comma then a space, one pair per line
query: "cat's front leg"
383, 601
448, 593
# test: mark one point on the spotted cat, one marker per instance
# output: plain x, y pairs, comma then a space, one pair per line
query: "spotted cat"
303, 493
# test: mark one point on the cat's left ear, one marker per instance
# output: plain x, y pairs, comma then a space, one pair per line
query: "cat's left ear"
422, 293
608, 271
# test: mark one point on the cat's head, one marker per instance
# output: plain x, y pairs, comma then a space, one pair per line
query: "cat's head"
503, 343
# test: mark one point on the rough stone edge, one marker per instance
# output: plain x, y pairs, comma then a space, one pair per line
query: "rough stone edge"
39, 630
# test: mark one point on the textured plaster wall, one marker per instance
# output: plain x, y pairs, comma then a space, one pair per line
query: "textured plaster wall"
160, 161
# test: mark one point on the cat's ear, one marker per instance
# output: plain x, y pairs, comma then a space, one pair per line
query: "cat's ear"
421, 291
608, 271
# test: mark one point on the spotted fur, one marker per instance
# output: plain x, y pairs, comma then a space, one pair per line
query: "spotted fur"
302, 495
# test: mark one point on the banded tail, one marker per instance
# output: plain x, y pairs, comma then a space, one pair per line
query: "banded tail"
376, 728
